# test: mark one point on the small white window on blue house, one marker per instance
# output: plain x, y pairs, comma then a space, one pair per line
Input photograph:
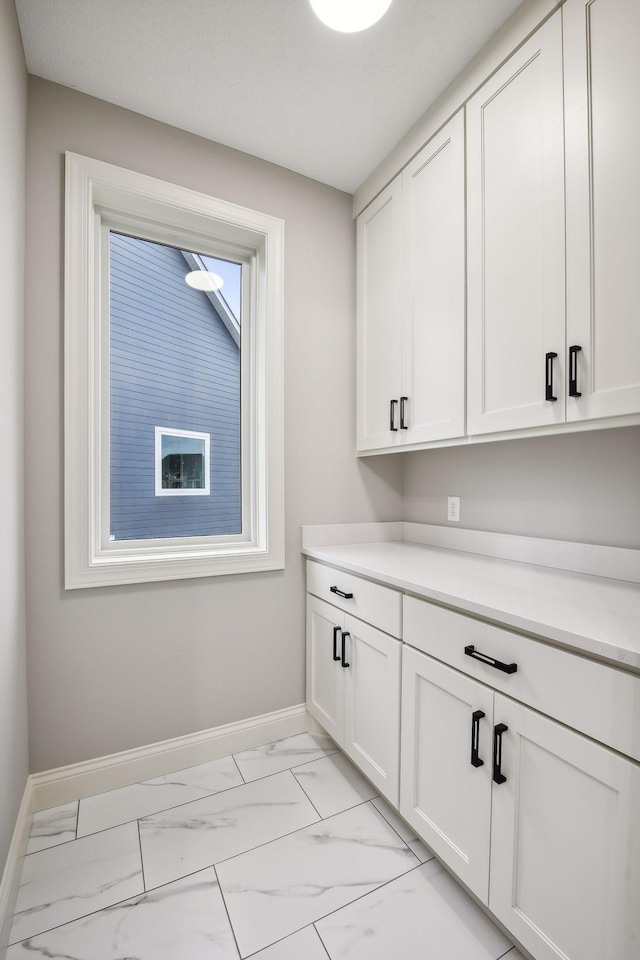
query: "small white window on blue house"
182, 463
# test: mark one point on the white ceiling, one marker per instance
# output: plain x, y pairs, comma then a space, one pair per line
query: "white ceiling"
264, 76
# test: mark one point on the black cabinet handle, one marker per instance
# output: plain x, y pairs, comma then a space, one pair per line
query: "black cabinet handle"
336, 631
403, 410
345, 634
573, 371
548, 373
339, 593
476, 717
498, 775
392, 416
471, 651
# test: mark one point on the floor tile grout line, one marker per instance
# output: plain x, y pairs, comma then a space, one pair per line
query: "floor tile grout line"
506, 953
324, 946
30, 853
280, 940
401, 837
384, 819
52, 846
306, 795
233, 757
226, 910
144, 882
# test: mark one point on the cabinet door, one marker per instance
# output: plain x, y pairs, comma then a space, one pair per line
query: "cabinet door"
602, 91
372, 704
433, 369
516, 260
325, 682
443, 795
565, 842
379, 237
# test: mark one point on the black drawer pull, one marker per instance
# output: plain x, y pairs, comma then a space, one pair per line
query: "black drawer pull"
336, 631
339, 593
498, 775
392, 416
403, 413
471, 651
476, 717
548, 374
345, 634
573, 371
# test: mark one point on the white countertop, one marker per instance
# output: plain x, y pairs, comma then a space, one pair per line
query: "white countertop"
594, 615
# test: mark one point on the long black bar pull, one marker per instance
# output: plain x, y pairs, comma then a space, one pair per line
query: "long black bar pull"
392, 416
471, 651
336, 631
345, 634
403, 413
573, 370
548, 374
498, 730
341, 593
476, 717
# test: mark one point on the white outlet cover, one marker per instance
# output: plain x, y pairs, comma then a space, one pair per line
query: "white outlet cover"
453, 509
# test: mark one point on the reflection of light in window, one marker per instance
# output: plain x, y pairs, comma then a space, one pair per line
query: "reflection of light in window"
204, 280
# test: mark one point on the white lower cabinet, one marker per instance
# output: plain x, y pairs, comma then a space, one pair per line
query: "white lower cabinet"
565, 841
540, 822
515, 761
444, 796
353, 690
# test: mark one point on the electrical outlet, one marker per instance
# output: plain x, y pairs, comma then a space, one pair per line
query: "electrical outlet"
453, 508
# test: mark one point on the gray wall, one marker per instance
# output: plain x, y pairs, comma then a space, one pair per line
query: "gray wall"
13, 703
118, 667
583, 486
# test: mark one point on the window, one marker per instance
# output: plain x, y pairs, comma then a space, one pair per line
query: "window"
182, 463
173, 382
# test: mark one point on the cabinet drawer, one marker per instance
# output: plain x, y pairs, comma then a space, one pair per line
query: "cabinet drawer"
596, 699
380, 606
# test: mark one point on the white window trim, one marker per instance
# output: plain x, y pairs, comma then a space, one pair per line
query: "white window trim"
161, 491
100, 196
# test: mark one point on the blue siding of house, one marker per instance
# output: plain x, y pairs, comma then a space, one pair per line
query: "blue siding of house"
173, 364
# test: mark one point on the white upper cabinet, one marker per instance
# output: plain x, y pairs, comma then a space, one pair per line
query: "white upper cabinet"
434, 288
544, 177
515, 202
411, 293
602, 91
379, 282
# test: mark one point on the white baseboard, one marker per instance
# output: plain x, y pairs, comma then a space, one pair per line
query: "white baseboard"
13, 866
79, 780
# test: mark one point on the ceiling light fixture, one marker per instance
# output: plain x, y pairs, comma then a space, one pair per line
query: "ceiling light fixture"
204, 280
349, 16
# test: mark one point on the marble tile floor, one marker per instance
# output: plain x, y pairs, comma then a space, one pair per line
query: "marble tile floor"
284, 852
